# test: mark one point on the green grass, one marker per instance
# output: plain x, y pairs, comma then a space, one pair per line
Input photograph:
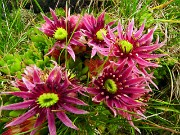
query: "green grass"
18, 37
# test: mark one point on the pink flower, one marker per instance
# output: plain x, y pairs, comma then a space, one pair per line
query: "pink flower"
65, 30
95, 29
121, 90
46, 95
134, 46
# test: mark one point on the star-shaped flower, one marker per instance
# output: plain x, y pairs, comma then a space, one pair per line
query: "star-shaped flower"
66, 31
134, 46
121, 90
45, 95
94, 29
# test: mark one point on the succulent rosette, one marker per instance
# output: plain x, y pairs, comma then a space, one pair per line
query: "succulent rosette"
94, 29
66, 31
121, 90
46, 95
134, 46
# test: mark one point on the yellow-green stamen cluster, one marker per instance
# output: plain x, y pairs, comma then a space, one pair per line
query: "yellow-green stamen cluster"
110, 86
60, 34
126, 47
100, 34
47, 99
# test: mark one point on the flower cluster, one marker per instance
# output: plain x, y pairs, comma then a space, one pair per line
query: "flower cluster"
117, 59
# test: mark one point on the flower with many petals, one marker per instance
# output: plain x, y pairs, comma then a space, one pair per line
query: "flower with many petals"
46, 95
121, 90
95, 29
66, 31
133, 45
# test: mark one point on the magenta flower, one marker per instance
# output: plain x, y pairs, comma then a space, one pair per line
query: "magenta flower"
65, 30
120, 89
46, 95
95, 29
133, 46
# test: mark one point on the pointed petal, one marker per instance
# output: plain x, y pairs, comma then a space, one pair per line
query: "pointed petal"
150, 56
48, 21
111, 34
71, 52
120, 30
107, 41
110, 24
98, 98
66, 83
121, 66
58, 77
23, 117
100, 20
135, 81
119, 107
130, 29
74, 101
138, 34
149, 48
147, 36
145, 63
73, 109
19, 85
87, 33
127, 72
129, 118
87, 24
110, 104
39, 121
51, 122
135, 90
47, 31
129, 101
92, 91
76, 42
54, 17
28, 84
93, 53
36, 77
73, 90
17, 106
51, 76
63, 117
21, 94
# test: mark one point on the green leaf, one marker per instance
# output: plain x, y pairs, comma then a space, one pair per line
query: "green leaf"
8, 57
5, 69
4, 119
2, 62
40, 63
167, 109
15, 113
84, 70
15, 67
28, 61
83, 77
38, 38
12, 98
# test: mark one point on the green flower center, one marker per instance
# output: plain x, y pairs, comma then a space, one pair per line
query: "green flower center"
110, 86
47, 99
60, 34
100, 34
125, 46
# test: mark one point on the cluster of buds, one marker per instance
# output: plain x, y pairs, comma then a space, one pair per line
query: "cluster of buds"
118, 63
